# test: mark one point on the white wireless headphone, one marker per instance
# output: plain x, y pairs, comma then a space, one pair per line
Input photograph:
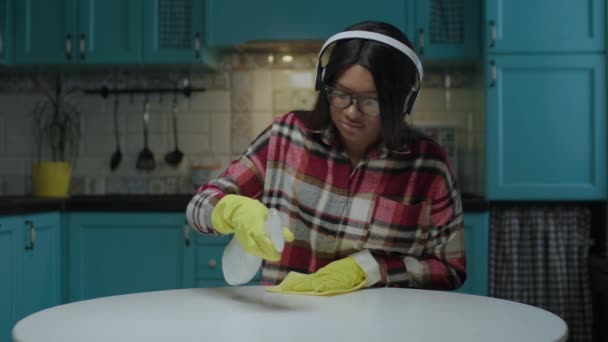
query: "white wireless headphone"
410, 99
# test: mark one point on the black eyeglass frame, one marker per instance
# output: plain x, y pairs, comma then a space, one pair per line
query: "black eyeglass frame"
329, 90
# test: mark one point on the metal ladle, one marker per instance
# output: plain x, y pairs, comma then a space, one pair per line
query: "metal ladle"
175, 157
145, 160
117, 155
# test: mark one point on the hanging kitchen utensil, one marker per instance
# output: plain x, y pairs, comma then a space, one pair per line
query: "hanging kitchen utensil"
175, 157
145, 160
117, 155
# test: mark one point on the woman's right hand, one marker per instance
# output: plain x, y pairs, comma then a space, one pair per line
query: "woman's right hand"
246, 218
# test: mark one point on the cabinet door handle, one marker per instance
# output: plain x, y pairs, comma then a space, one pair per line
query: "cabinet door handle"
68, 46
83, 45
186, 234
212, 263
197, 45
421, 40
493, 73
492, 33
32, 235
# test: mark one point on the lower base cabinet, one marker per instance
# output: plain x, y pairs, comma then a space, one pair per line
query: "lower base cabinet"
30, 267
120, 253
208, 261
477, 233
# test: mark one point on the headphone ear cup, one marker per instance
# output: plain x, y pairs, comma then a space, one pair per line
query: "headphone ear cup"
319, 78
410, 102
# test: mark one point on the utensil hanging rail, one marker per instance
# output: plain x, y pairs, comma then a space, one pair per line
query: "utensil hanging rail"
105, 91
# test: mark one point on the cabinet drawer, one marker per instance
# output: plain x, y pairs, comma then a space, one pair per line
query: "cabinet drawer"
209, 266
209, 262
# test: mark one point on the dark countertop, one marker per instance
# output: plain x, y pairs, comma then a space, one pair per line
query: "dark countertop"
15, 205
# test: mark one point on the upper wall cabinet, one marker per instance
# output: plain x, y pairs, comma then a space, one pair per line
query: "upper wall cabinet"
5, 30
173, 32
546, 127
446, 29
78, 31
534, 26
234, 22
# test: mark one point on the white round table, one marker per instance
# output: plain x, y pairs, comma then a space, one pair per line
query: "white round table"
249, 314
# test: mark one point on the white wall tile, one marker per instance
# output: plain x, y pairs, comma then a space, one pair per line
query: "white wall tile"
2, 134
241, 100
193, 122
157, 123
19, 145
102, 124
282, 79
261, 91
212, 100
260, 121
431, 100
13, 166
220, 133
241, 80
194, 143
96, 145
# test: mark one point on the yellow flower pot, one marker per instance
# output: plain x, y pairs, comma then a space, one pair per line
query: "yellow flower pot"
51, 179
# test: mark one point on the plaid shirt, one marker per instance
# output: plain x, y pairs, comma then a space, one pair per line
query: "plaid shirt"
399, 210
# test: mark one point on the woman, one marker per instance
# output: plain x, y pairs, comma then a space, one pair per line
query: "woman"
370, 201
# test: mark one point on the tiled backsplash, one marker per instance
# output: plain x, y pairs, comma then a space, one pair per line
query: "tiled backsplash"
240, 100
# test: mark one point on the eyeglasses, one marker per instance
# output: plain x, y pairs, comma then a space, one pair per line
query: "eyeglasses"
341, 99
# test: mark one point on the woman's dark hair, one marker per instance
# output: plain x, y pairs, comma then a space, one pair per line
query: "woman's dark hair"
393, 72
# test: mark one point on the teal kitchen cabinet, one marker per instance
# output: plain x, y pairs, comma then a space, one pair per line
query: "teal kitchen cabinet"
6, 31
546, 127
174, 32
446, 29
540, 26
208, 261
118, 253
10, 252
477, 242
78, 31
234, 22
30, 266
40, 282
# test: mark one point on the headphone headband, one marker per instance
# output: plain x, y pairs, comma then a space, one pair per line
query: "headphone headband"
390, 41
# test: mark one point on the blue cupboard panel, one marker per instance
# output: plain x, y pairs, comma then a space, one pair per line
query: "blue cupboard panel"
532, 26
233, 22
41, 264
43, 31
175, 34
546, 127
111, 31
119, 253
448, 29
477, 241
10, 254
6, 31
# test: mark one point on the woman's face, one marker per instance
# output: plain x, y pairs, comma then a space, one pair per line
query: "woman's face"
358, 131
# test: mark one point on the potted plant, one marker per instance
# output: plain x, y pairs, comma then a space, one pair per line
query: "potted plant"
57, 133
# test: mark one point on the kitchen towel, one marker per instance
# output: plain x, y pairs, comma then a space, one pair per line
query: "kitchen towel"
538, 256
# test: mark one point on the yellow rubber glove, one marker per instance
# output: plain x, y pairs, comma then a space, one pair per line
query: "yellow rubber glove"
340, 276
246, 218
